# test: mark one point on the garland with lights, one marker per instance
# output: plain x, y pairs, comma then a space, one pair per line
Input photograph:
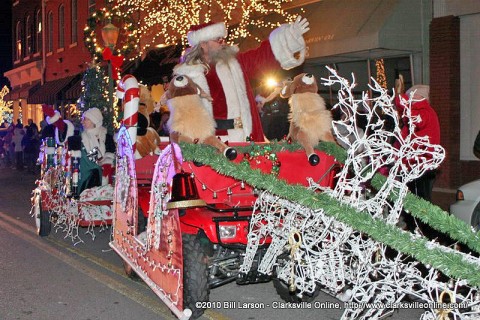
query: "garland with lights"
101, 16
450, 263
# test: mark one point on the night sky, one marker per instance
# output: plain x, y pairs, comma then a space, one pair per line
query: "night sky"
5, 40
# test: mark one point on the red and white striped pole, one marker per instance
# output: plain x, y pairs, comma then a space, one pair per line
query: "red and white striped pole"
128, 90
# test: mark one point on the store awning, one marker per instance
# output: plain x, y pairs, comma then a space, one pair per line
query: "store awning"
75, 91
22, 92
53, 91
352, 30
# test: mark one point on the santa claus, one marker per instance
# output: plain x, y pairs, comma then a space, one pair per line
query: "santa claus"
57, 127
224, 73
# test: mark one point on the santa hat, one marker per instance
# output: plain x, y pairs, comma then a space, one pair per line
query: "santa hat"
53, 117
421, 91
51, 114
206, 31
94, 115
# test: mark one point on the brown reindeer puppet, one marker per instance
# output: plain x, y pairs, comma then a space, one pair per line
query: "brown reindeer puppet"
189, 121
310, 121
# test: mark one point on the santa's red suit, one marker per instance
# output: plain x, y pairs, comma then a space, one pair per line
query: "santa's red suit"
228, 83
427, 124
61, 128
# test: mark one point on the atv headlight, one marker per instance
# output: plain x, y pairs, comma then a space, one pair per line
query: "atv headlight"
228, 232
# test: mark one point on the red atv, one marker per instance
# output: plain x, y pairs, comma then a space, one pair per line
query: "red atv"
197, 220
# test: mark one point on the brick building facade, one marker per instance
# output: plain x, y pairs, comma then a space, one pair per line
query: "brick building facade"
49, 56
445, 98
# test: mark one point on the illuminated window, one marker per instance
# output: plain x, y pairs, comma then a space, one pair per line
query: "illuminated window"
18, 41
28, 37
38, 31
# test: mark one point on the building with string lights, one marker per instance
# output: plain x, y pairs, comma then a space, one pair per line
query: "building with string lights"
429, 42
49, 56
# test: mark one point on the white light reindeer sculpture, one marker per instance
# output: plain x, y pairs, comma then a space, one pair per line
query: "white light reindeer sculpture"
311, 250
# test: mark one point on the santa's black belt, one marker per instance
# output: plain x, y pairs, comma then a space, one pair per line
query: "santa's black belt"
226, 124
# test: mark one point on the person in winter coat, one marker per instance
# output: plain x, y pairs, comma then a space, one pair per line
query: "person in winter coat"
30, 148
8, 145
18, 134
98, 148
428, 125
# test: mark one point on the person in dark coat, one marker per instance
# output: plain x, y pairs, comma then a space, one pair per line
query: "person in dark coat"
30, 149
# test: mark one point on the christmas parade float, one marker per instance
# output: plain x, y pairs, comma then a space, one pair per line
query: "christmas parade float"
270, 214
59, 201
62, 200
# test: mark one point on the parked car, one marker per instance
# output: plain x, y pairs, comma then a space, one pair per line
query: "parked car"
467, 204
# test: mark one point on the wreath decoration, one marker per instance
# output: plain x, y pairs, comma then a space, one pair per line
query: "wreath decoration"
127, 31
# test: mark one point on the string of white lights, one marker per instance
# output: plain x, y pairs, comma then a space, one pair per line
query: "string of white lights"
163, 23
353, 267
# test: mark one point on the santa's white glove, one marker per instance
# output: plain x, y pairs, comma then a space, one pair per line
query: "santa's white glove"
299, 27
287, 40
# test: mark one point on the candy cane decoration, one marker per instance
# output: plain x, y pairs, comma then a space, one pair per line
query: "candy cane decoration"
128, 90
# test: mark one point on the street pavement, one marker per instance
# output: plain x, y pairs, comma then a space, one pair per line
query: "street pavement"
51, 278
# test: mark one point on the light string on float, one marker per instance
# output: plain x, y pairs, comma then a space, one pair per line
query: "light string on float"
215, 192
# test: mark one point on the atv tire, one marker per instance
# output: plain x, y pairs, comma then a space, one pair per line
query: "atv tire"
195, 275
283, 289
44, 225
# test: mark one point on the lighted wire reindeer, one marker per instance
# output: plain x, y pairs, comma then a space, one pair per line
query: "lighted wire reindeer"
310, 249
372, 149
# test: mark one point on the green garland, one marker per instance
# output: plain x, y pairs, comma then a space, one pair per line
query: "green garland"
452, 264
127, 29
419, 208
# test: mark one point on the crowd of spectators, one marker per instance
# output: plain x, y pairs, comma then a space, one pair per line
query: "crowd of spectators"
20, 145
